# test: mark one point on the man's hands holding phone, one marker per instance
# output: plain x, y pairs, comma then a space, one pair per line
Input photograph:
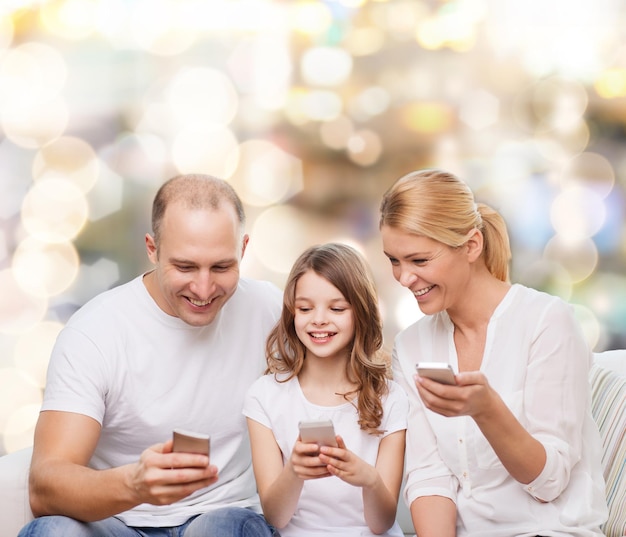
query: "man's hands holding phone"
163, 476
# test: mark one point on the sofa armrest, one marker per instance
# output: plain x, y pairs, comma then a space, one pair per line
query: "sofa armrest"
608, 385
14, 505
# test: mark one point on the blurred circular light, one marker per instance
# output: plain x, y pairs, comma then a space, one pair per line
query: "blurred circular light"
280, 235
577, 213
54, 210
428, 117
211, 149
589, 323
326, 66
261, 67
605, 295
266, 174
559, 103
158, 27
479, 109
364, 41
202, 95
19, 430
591, 170
449, 28
364, 147
611, 83
370, 102
6, 32
19, 310
69, 19
579, 258
570, 142
310, 18
140, 157
336, 133
45, 269
33, 349
321, 105
35, 124
16, 391
547, 276
30, 74
71, 158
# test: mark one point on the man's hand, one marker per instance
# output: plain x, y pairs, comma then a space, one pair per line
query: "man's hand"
162, 477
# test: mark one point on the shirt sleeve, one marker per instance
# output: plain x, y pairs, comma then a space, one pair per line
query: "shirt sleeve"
556, 397
254, 402
77, 376
426, 473
396, 409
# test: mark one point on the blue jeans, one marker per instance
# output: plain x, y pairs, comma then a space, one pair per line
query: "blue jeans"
225, 522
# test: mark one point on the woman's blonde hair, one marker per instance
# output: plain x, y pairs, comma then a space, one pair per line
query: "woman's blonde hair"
438, 205
346, 269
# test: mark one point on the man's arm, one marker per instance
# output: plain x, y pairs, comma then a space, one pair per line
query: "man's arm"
62, 484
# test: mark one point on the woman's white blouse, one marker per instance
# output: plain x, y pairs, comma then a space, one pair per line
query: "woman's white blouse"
537, 360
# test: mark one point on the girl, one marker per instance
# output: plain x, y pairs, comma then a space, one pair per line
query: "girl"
512, 448
322, 360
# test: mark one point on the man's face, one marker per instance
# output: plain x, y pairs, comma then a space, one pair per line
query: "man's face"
196, 263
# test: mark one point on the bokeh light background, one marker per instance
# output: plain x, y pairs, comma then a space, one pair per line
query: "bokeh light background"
311, 109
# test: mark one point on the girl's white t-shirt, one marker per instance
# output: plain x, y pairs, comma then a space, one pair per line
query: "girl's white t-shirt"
327, 506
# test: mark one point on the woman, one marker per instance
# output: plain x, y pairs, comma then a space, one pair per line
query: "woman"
511, 448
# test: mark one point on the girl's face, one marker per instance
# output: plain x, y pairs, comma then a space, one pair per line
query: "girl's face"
324, 320
435, 273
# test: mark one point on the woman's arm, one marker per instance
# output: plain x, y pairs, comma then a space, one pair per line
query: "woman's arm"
523, 456
434, 516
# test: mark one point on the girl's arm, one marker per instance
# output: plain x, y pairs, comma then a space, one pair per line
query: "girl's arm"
280, 485
380, 484
434, 516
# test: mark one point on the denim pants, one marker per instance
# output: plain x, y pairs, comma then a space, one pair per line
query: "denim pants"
225, 522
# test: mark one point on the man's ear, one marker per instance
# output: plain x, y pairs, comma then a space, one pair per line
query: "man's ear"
151, 248
474, 244
244, 243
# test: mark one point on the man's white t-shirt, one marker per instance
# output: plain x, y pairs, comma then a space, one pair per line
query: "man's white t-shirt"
327, 506
140, 373
536, 359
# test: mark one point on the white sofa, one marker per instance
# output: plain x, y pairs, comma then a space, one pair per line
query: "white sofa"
608, 379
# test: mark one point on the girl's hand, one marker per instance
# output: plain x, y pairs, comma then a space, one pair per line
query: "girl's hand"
305, 461
347, 466
471, 396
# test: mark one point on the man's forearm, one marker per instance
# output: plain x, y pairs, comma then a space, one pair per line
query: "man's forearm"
63, 488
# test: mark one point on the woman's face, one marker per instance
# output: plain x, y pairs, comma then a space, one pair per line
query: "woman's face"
435, 273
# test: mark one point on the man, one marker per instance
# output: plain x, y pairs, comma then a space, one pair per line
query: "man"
174, 348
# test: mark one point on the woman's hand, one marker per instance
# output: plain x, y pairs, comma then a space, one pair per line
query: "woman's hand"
470, 396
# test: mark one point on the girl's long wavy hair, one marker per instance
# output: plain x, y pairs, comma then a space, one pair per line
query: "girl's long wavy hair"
438, 205
346, 269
